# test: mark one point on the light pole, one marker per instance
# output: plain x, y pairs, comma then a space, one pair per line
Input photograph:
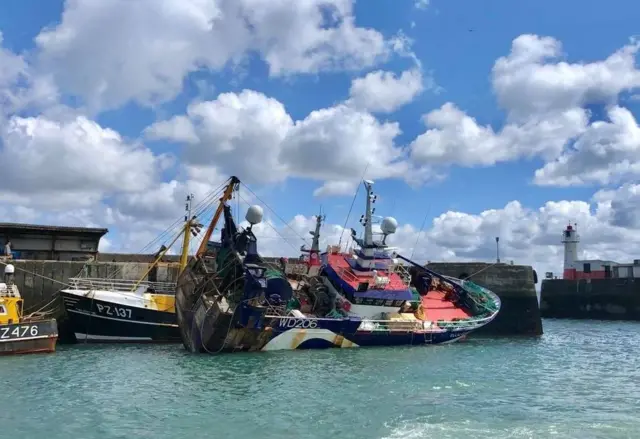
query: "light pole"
497, 249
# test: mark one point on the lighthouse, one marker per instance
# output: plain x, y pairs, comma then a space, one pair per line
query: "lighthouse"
570, 239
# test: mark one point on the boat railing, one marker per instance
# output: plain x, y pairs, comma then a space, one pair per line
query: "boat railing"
411, 325
348, 275
122, 285
481, 296
402, 271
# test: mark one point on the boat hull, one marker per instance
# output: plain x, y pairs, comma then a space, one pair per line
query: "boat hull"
99, 321
212, 331
29, 337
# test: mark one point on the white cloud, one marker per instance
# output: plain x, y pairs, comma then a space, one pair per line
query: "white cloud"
546, 104
385, 92
114, 51
606, 152
20, 86
253, 136
72, 163
422, 4
531, 79
453, 137
624, 205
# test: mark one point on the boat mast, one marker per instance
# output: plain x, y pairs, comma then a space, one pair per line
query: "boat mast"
226, 196
186, 232
368, 231
315, 243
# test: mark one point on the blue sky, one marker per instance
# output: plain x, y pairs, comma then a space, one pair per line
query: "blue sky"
456, 44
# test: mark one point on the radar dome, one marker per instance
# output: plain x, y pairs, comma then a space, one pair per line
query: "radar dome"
9, 269
389, 225
254, 215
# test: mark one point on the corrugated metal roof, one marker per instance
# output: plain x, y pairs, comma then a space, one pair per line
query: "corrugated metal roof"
44, 228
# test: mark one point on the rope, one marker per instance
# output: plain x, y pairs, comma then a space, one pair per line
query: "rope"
274, 212
274, 229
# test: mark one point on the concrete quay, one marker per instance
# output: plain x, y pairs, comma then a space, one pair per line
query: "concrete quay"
39, 281
597, 299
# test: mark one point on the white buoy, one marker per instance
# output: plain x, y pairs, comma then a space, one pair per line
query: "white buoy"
389, 225
254, 215
9, 269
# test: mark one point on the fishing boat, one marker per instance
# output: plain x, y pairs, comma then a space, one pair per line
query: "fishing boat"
138, 311
19, 333
235, 301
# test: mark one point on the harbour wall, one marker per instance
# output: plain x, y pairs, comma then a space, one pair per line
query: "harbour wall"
598, 299
514, 284
39, 281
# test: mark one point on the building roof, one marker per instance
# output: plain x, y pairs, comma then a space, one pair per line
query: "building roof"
17, 227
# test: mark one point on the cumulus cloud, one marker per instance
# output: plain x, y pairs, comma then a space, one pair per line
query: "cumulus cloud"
547, 104
112, 52
606, 152
74, 162
20, 86
385, 92
253, 136
531, 79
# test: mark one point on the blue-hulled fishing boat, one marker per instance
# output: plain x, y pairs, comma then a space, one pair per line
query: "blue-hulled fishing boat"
235, 301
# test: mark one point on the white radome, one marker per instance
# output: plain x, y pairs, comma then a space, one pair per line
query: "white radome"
9, 269
389, 225
254, 215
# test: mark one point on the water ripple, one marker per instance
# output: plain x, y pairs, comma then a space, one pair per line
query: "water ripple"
580, 380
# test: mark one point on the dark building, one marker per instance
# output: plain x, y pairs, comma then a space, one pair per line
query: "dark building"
31, 241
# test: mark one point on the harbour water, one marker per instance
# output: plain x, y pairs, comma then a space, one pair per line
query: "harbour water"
580, 380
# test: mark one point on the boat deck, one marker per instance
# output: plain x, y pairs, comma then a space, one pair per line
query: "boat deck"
436, 308
340, 264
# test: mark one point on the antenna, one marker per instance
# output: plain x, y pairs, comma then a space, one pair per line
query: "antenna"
187, 207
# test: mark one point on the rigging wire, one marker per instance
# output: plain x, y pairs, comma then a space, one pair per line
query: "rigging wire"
274, 212
171, 231
415, 245
352, 203
273, 228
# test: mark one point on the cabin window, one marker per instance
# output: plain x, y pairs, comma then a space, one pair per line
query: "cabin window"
3, 310
587, 268
607, 271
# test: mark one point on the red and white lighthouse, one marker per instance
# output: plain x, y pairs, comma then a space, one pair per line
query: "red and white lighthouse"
570, 239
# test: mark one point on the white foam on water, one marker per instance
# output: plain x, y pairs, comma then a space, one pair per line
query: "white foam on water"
420, 429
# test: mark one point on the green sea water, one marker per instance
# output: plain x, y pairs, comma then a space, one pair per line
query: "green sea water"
580, 380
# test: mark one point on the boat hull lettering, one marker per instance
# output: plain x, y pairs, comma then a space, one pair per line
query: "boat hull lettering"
299, 323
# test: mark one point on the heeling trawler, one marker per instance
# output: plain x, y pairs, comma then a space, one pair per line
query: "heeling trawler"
237, 302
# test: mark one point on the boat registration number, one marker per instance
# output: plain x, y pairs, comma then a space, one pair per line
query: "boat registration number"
18, 331
298, 323
114, 311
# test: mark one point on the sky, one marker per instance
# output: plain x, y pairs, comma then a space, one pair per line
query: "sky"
476, 120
